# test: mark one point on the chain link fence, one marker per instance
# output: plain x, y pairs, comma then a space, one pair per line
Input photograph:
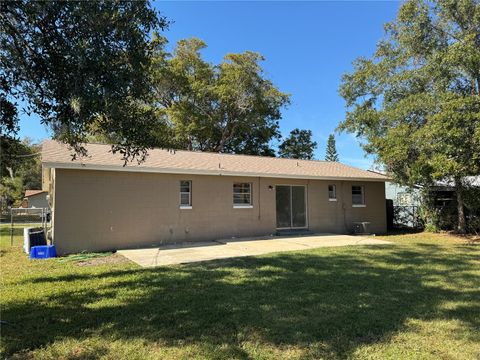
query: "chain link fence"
29, 217
407, 217
403, 217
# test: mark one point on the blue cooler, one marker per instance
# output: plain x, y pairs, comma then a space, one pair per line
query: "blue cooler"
43, 252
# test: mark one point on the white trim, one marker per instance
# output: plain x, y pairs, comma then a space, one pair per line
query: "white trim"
250, 190
189, 193
334, 190
57, 165
242, 206
362, 188
185, 207
293, 228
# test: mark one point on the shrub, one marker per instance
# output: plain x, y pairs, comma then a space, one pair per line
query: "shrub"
431, 228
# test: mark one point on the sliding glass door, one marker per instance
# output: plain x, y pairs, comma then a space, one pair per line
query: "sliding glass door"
291, 204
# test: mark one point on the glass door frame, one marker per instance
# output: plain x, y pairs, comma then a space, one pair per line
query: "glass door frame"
305, 189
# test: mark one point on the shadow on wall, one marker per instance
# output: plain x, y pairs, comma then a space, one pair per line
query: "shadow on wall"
336, 301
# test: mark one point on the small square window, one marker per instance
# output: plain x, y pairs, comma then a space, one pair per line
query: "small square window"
332, 192
358, 195
242, 194
185, 193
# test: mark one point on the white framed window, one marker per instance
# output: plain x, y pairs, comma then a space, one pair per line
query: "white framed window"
358, 196
332, 192
242, 195
185, 194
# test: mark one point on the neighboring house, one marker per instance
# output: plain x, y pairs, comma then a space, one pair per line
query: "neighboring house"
175, 196
407, 201
445, 201
35, 199
405, 204
444, 192
402, 195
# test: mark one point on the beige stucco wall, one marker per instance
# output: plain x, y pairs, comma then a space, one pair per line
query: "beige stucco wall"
46, 178
104, 210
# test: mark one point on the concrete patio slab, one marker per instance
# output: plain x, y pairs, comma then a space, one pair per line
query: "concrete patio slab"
194, 252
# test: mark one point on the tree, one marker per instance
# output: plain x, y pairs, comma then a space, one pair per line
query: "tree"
331, 154
416, 102
228, 107
11, 150
79, 63
10, 191
298, 145
21, 169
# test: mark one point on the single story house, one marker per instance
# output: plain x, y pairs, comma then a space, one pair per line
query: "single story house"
177, 196
35, 199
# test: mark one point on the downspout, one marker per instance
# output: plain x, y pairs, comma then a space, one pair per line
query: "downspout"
344, 208
53, 189
259, 197
308, 205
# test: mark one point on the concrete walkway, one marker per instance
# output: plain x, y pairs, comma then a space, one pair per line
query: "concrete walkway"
193, 252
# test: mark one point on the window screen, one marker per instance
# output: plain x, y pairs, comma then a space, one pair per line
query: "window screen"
185, 193
242, 194
358, 195
332, 192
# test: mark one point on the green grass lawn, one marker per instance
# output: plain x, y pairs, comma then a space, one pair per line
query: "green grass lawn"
417, 299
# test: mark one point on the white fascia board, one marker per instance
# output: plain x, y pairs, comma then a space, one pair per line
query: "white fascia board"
198, 172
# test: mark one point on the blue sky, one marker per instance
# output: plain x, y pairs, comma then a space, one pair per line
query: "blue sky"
307, 46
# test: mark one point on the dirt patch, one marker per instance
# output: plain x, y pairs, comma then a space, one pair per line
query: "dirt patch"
471, 239
113, 259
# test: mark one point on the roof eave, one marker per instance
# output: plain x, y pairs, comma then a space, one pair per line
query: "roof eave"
219, 172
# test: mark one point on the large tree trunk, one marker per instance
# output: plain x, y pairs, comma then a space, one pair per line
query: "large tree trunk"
10, 172
461, 226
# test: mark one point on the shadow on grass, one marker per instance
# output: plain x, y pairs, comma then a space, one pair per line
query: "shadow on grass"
338, 301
